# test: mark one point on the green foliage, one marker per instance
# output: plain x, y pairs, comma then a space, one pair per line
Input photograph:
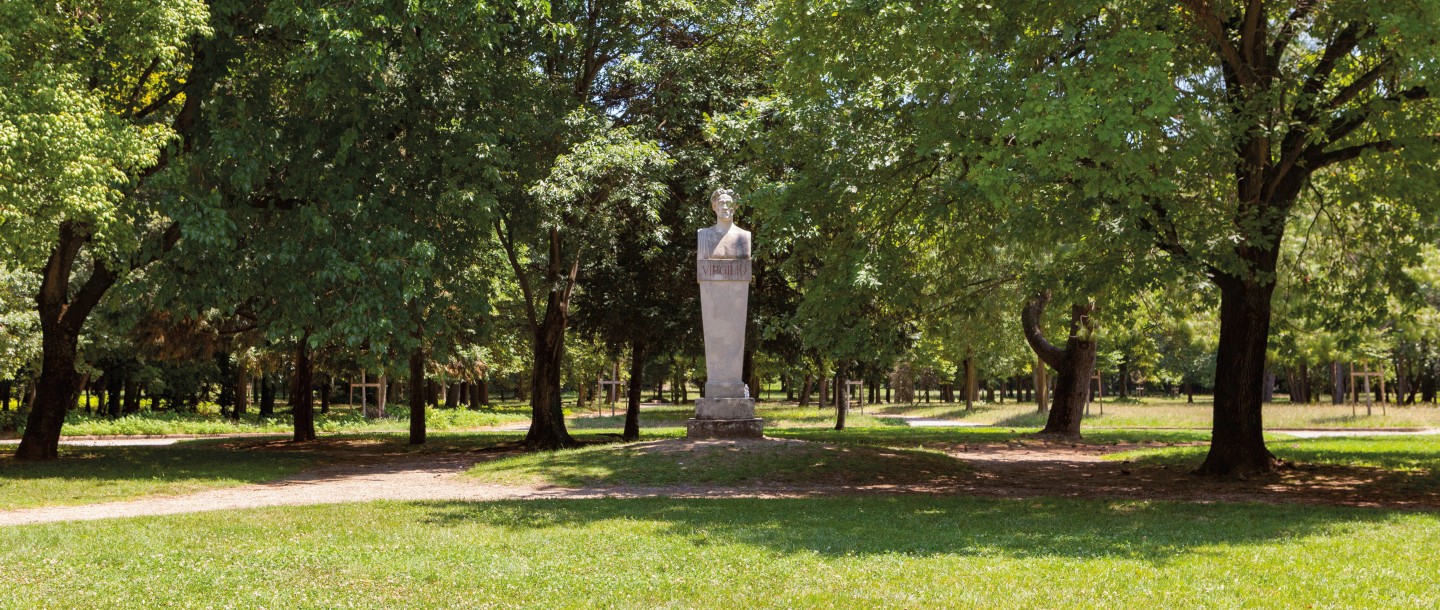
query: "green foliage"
82, 113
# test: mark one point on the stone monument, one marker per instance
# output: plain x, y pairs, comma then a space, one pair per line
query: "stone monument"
723, 270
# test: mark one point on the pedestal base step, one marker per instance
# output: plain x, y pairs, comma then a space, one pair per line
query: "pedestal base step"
725, 408
725, 428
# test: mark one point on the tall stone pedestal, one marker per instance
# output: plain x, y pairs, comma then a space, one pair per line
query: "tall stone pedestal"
724, 418
722, 266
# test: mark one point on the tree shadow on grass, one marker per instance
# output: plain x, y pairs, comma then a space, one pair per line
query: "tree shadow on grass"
926, 526
1028, 419
742, 463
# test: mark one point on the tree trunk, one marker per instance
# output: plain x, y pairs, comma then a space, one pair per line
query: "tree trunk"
267, 395
5, 387
842, 397
547, 416
747, 372
824, 392
482, 391
242, 391
303, 400
1125, 377
1337, 383
324, 390
1237, 445
418, 387
1073, 365
132, 396
56, 392
806, 389
62, 316
1042, 386
1269, 392
632, 394
114, 384
969, 379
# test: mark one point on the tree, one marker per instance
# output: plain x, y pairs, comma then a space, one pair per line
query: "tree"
91, 112
1073, 365
1198, 128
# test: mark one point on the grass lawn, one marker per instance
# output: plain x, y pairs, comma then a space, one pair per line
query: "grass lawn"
743, 553
341, 419
939, 437
721, 463
85, 475
1411, 454
775, 415
1166, 413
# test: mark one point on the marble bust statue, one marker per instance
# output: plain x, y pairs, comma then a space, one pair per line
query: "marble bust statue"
724, 240
722, 267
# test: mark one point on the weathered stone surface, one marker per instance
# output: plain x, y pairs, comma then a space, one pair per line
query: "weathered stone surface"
722, 266
722, 269
725, 428
724, 408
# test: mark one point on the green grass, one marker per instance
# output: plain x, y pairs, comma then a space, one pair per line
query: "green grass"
721, 463
921, 437
774, 414
1411, 454
339, 420
85, 475
98, 474
915, 552
1176, 413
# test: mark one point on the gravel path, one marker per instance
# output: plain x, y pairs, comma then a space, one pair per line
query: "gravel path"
1017, 469
431, 478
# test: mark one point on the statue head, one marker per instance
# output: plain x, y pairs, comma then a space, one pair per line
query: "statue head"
723, 202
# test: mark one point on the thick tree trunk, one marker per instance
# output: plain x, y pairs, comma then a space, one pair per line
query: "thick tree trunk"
62, 316
1237, 445
1073, 365
482, 391
5, 388
56, 392
806, 389
632, 394
547, 416
304, 392
418, 387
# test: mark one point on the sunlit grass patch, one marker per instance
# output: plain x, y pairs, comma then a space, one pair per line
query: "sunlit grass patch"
1411, 454
920, 552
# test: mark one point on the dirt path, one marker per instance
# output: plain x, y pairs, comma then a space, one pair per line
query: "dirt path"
1024, 469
